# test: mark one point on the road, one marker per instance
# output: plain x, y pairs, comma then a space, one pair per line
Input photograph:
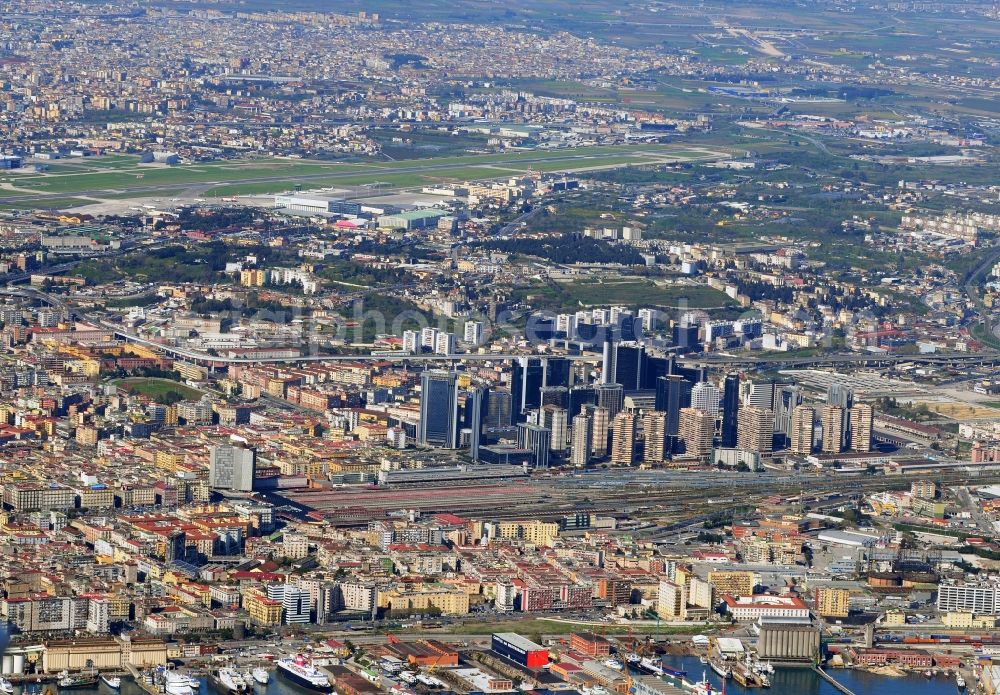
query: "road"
836, 358
982, 521
971, 289
220, 361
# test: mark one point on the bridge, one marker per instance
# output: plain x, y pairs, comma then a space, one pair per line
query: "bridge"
946, 358
719, 361
214, 361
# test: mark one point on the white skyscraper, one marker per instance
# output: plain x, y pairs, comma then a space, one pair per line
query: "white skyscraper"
582, 437
648, 317
411, 341
474, 332
231, 467
445, 344
428, 337
705, 396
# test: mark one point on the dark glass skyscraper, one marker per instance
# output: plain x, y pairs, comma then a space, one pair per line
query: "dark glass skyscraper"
673, 392
628, 366
612, 397
557, 371
555, 395
438, 410
527, 379
475, 410
653, 368
730, 410
580, 396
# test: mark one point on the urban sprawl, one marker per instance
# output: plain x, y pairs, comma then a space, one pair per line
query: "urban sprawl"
639, 348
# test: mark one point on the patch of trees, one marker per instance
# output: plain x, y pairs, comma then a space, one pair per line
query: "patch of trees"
214, 219
567, 248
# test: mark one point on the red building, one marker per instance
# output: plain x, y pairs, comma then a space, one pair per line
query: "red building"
590, 644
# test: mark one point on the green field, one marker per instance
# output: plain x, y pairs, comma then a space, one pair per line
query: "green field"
158, 388
54, 203
631, 291
642, 292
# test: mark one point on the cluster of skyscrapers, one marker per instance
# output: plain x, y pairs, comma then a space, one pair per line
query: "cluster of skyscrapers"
637, 407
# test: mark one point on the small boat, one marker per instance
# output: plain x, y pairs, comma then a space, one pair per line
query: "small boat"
261, 675
229, 681
674, 672
73, 681
959, 681
113, 682
649, 665
614, 664
6, 686
703, 659
723, 671
928, 674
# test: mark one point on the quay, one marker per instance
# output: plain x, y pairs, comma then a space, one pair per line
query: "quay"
832, 681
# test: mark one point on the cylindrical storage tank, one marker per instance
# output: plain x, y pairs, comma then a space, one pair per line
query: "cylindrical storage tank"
18, 663
8, 665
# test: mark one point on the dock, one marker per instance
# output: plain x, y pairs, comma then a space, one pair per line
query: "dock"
833, 681
150, 688
746, 677
25, 678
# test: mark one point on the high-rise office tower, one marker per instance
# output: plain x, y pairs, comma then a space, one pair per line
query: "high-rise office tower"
623, 439
231, 467
579, 396
558, 371
475, 408
629, 365
761, 394
673, 392
832, 419
756, 430
730, 410
600, 422
654, 425
684, 337
786, 398
843, 397
527, 379
581, 443
537, 440
498, 408
609, 361
840, 395
705, 397
438, 410
555, 421
655, 367
555, 395
862, 419
696, 431
611, 397
802, 430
